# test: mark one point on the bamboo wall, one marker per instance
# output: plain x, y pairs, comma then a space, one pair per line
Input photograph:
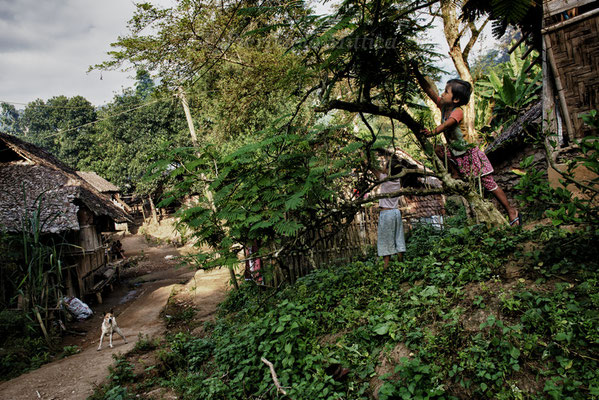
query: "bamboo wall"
571, 44
329, 248
347, 245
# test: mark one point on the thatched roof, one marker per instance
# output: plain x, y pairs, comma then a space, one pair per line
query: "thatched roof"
411, 162
516, 130
32, 179
99, 183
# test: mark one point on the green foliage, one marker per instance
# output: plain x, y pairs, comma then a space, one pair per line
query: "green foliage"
10, 119
504, 13
118, 393
121, 371
528, 341
21, 346
272, 190
70, 350
137, 128
574, 201
371, 43
115, 393
145, 343
188, 353
31, 267
63, 126
36, 259
506, 91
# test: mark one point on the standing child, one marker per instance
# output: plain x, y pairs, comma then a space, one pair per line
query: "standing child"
390, 231
469, 160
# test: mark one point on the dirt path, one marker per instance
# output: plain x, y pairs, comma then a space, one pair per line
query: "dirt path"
137, 311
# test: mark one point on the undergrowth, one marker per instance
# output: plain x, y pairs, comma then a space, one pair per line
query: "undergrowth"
469, 328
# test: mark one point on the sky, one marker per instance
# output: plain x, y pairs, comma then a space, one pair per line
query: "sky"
47, 46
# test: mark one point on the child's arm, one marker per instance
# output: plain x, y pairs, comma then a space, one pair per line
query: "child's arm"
450, 123
425, 83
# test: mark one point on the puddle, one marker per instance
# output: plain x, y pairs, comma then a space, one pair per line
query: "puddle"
129, 296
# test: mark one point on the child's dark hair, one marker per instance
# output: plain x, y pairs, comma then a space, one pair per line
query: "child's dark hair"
394, 166
461, 90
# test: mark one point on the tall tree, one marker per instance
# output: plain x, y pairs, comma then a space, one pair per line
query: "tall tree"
383, 80
64, 126
10, 119
456, 29
134, 131
290, 171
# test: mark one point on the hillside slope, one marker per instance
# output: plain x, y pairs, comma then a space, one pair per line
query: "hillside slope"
472, 313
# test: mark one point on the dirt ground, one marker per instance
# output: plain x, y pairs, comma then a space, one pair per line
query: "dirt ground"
137, 304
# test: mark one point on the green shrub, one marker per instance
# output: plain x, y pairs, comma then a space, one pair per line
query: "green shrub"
121, 371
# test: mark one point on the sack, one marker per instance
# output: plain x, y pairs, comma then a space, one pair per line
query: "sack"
77, 308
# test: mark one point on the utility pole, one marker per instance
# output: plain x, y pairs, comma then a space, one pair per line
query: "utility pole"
192, 129
194, 141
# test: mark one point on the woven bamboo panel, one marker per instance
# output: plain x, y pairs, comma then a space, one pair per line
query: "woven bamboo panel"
575, 49
346, 245
552, 7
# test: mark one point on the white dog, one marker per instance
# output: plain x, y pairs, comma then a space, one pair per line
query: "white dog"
108, 327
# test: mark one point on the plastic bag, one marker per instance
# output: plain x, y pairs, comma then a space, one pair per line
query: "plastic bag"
79, 309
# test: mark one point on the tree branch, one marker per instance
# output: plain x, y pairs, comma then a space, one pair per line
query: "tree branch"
475, 34
416, 8
401, 192
274, 376
402, 116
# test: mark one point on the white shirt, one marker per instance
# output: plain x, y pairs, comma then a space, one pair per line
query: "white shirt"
389, 187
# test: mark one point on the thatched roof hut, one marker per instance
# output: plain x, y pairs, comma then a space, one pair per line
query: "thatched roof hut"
32, 182
99, 183
106, 188
31, 178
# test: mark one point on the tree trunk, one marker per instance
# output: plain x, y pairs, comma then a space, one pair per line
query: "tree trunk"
153, 208
483, 211
233, 277
194, 141
453, 34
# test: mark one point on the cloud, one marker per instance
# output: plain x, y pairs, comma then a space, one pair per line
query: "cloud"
47, 46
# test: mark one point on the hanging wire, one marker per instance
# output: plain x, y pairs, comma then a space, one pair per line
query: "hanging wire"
102, 119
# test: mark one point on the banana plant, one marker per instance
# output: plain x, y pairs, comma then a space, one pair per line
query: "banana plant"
509, 89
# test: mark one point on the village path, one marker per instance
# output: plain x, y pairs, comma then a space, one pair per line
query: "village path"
137, 312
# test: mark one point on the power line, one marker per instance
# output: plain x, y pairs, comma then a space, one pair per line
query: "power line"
103, 119
31, 104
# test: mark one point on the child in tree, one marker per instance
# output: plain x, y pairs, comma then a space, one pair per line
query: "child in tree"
390, 230
467, 159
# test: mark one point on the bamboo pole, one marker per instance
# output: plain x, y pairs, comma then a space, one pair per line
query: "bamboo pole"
44, 331
559, 87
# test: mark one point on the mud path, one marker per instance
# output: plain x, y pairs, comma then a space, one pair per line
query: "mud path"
138, 313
